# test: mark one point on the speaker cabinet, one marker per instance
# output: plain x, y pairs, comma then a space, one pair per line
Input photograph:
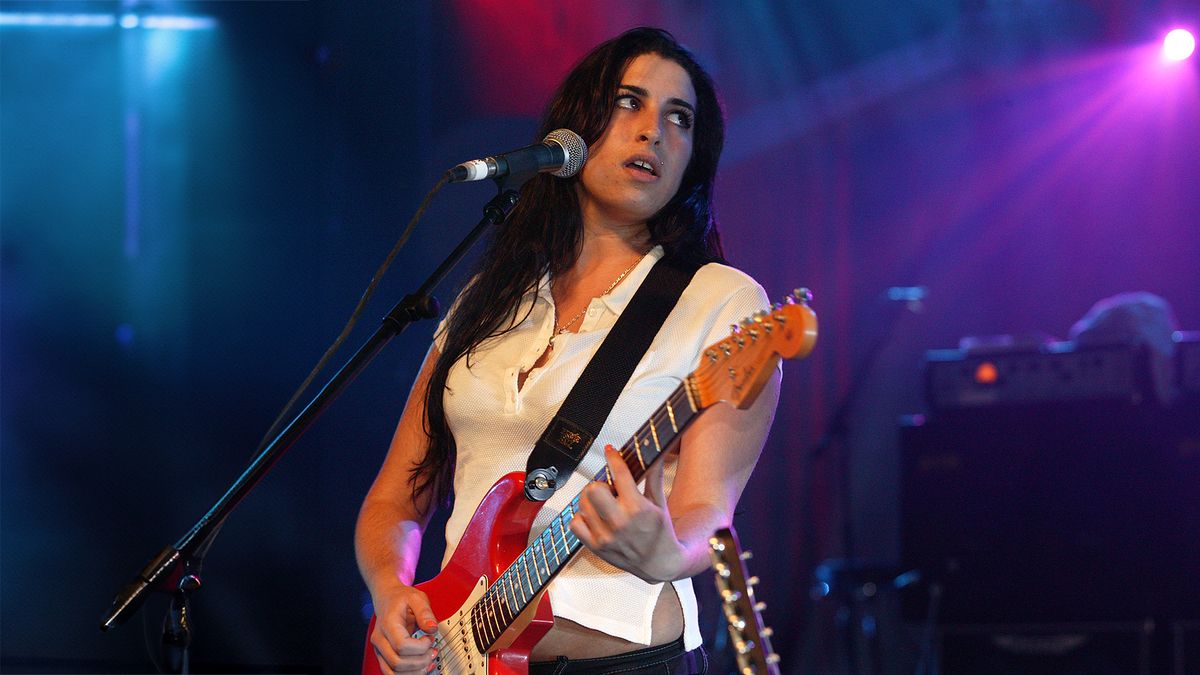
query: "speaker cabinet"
1055, 512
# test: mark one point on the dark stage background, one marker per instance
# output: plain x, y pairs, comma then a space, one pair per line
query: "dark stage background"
190, 211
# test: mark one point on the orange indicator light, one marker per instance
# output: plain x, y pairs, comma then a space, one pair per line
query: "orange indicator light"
986, 373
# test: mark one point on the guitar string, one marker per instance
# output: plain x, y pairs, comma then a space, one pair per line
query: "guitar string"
491, 596
497, 600
461, 625
456, 657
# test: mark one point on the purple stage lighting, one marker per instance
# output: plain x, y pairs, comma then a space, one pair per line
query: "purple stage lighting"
1178, 45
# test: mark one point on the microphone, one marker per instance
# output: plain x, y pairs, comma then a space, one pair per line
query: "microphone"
562, 153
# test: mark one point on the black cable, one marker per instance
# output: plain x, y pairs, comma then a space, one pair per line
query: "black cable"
202, 550
358, 309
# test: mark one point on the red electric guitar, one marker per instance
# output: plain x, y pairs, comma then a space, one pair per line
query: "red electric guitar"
490, 593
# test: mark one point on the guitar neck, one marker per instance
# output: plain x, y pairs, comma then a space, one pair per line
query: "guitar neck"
529, 574
750, 638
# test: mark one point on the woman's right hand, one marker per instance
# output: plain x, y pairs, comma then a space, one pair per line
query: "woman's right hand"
397, 617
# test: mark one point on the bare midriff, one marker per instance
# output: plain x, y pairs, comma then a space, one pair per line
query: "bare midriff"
572, 640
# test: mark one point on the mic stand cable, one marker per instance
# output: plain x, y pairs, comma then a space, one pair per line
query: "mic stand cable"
176, 568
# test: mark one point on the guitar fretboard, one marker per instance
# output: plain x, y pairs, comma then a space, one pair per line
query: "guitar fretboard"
516, 588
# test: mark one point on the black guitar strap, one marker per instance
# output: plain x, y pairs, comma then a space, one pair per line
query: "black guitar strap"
581, 416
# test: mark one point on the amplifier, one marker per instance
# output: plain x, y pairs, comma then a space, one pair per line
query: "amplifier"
1053, 512
1053, 372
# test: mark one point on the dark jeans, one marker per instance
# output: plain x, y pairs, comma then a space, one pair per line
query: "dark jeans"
668, 659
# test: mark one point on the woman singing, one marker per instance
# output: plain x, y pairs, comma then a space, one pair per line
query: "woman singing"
553, 281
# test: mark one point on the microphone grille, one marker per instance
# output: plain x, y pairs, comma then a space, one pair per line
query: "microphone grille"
575, 148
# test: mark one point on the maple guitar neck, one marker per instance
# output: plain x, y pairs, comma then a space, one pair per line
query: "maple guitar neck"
751, 639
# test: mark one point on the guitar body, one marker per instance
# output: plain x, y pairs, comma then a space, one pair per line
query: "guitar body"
497, 533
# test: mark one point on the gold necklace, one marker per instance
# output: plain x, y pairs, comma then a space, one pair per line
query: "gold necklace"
560, 329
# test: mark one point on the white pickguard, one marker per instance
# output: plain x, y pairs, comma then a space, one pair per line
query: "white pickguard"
455, 639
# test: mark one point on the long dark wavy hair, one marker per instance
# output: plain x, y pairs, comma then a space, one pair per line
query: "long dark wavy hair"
545, 230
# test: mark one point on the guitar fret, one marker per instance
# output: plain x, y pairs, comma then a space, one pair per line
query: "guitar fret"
560, 554
523, 566
481, 625
641, 460
667, 436
654, 434
541, 571
562, 531
671, 415
547, 567
553, 546
535, 580
509, 597
684, 395
491, 625
476, 627
687, 389
519, 587
646, 446
503, 615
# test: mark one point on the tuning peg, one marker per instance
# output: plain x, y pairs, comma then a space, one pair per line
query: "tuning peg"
734, 329
752, 581
731, 596
746, 555
803, 295
767, 631
760, 606
716, 544
772, 658
745, 647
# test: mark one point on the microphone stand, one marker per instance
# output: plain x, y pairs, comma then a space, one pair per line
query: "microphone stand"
176, 569
846, 577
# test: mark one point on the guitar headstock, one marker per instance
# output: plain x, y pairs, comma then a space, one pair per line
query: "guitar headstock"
750, 639
736, 368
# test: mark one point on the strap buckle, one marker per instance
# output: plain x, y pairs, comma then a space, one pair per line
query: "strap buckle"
540, 484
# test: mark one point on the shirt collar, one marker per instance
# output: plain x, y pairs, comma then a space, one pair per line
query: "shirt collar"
624, 291
620, 296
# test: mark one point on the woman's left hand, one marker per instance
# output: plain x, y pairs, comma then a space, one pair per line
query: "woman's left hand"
630, 529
